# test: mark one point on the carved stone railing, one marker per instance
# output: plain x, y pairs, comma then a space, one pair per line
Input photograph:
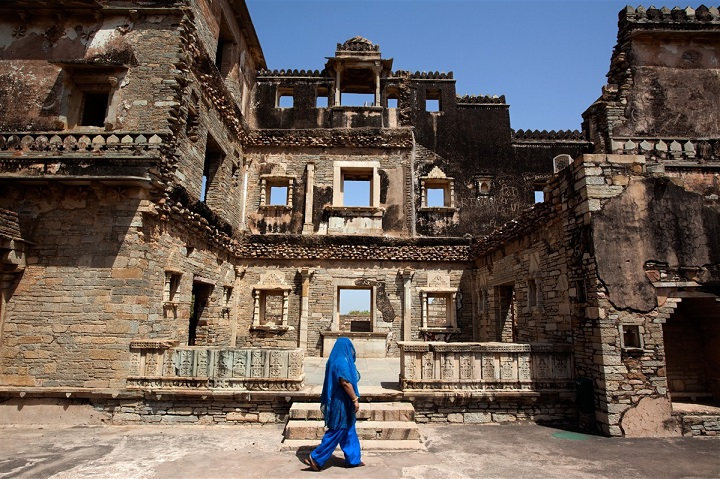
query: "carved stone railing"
78, 141
485, 366
156, 364
668, 148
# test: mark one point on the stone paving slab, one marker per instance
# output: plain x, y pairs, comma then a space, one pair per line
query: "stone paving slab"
365, 445
239, 452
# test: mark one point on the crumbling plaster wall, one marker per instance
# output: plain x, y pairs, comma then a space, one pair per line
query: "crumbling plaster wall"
35, 92
663, 80
670, 72
665, 227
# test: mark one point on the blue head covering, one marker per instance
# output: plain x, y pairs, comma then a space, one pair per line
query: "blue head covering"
337, 407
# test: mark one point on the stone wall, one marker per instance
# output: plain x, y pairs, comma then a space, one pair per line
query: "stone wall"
554, 409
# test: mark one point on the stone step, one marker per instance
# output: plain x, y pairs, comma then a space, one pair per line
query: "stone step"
381, 411
365, 445
385, 430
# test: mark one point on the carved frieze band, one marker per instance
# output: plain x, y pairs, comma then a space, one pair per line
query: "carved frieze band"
238, 368
482, 366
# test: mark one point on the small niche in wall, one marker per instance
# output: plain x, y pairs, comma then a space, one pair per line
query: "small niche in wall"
631, 337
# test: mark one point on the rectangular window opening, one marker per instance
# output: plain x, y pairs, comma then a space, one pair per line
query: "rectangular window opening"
357, 190
278, 195
432, 105
213, 159
355, 308
321, 102
437, 310
392, 103
285, 101
435, 197
357, 99
539, 196
224, 52
172, 284
631, 336
95, 106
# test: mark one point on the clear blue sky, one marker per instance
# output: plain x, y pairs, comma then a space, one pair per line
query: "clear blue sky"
549, 58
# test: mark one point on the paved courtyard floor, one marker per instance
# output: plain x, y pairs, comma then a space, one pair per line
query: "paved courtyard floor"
509, 451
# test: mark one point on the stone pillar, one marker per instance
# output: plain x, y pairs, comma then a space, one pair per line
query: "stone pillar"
377, 87
407, 275
2, 311
243, 209
337, 86
308, 226
256, 308
305, 274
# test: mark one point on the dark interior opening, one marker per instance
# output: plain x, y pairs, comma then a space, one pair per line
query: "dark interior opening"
213, 158
95, 107
692, 351
506, 314
198, 304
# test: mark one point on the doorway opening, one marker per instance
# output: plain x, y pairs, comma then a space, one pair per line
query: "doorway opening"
355, 309
197, 330
692, 351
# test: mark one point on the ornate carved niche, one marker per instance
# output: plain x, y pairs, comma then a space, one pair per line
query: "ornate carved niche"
276, 192
439, 315
437, 191
270, 303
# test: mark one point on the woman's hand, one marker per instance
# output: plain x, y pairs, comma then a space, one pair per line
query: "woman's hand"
351, 393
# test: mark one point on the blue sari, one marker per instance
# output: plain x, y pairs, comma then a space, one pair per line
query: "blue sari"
337, 407
335, 404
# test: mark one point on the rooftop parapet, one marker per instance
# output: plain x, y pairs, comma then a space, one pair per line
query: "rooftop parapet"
424, 75
547, 135
481, 99
293, 73
687, 17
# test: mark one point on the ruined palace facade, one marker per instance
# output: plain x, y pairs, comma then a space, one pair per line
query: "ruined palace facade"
177, 228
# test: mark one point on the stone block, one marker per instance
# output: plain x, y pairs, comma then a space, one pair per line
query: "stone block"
455, 418
126, 417
267, 417
242, 417
477, 417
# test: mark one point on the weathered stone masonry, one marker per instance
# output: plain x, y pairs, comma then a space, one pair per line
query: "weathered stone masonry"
174, 237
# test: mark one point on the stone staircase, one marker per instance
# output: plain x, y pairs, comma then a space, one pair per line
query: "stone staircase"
380, 426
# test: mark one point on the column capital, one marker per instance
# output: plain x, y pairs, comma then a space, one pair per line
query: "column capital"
406, 273
306, 272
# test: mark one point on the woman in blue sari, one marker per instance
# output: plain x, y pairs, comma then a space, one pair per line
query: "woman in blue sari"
339, 403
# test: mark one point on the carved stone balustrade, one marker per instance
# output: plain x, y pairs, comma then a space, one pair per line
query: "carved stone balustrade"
444, 366
669, 148
160, 365
73, 142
